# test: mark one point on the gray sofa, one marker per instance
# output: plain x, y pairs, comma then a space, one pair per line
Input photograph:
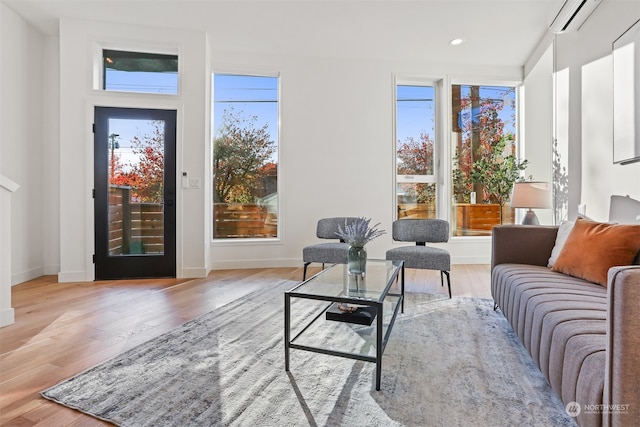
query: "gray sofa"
584, 337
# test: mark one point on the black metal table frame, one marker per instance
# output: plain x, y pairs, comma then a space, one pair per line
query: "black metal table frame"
381, 342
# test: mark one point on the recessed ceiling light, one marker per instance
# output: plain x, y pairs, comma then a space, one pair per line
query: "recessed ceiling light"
455, 42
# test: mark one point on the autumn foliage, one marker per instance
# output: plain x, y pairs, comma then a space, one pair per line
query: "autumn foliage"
485, 158
242, 159
146, 175
415, 157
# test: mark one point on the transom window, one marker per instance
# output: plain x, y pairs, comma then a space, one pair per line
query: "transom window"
140, 72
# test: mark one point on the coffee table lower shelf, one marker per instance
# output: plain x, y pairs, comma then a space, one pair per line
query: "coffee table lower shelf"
381, 338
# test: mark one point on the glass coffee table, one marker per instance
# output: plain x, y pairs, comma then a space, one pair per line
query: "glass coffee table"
377, 297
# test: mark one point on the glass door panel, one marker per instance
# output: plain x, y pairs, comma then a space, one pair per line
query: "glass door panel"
136, 186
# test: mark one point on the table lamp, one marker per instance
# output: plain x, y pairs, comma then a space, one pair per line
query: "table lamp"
531, 195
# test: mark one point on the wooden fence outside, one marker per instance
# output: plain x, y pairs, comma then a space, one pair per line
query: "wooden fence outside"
134, 228
416, 210
243, 221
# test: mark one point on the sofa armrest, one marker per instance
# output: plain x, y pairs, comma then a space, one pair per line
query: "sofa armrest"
623, 347
522, 244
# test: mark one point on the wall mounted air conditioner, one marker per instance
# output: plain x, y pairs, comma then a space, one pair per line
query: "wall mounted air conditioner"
572, 15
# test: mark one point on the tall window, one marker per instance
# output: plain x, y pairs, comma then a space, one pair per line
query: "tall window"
139, 72
415, 144
245, 156
484, 163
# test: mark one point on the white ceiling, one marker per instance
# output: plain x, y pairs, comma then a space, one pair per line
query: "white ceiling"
496, 32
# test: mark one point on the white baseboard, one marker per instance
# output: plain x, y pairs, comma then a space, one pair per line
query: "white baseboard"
50, 270
239, 264
7, 317
471, 259
26, 275
194, 273
72, 276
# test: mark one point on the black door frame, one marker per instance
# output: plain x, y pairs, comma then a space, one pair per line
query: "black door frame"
136, 265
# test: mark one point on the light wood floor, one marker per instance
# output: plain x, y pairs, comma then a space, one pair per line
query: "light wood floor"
64, 328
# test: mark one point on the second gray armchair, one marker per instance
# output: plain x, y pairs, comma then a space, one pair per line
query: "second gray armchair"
422, 231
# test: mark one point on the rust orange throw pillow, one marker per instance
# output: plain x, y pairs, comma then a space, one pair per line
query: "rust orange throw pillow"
592, 248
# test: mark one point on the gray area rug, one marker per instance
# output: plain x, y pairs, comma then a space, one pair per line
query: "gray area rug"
448, 363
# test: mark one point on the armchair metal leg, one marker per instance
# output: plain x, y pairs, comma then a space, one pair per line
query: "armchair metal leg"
448, 281
304, 272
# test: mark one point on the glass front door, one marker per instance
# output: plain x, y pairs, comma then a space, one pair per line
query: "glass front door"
135, 189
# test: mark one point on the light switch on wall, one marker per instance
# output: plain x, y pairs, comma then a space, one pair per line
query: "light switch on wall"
194, 183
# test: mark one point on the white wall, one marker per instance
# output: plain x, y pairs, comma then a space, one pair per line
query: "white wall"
21, 140
584, 67
538, 121
50, 147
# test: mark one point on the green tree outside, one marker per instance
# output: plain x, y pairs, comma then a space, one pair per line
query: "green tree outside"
242, 158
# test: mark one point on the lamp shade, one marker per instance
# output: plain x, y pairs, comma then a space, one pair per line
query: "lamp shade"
531, 195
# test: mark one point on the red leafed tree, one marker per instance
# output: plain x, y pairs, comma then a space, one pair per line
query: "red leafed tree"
483, 145
242, 152
269, 169
415, 157
117, 177
145, 176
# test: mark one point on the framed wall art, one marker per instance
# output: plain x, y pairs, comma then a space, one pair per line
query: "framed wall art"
626, 96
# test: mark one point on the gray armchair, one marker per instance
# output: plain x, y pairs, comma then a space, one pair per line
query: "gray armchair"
422, 231
331, 252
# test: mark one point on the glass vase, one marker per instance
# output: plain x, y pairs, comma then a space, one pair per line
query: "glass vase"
357, 260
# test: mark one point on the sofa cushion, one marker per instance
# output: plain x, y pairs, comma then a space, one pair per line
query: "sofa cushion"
554, 327
592, 248
577, 350
513, 285
560, 356
548, 304
590, 389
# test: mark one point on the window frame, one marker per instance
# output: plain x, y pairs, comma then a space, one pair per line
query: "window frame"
250, 72
436, 177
